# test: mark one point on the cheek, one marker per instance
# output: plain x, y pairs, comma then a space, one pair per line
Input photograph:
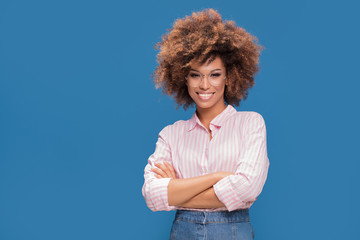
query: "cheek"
192, 95
220, 89
191, 92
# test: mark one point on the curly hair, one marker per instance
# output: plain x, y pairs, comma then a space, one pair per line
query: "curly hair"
197, 38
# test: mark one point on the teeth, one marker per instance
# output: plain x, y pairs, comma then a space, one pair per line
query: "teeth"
205, 96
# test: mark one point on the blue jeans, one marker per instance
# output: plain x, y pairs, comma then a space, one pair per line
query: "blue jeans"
223, 225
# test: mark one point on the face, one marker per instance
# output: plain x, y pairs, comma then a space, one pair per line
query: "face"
207, 93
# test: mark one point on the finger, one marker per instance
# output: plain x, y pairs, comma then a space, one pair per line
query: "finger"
171, 168
159, 172
164, 169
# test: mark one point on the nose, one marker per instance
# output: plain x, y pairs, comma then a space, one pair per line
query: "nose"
204, 84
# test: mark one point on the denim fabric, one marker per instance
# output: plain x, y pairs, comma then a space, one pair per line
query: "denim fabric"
223, 225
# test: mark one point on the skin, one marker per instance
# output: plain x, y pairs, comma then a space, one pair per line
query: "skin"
208, 110
198, 192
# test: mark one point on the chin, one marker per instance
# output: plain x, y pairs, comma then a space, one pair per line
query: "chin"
206, 105
202, 105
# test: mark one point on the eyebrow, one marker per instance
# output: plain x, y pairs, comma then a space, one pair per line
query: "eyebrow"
200, 72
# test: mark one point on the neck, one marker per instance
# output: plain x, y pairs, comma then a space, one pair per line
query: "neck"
205, 115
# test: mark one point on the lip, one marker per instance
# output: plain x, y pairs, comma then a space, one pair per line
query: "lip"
205, 98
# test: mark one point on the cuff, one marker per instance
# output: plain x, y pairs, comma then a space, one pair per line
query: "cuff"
226, 194
159, 195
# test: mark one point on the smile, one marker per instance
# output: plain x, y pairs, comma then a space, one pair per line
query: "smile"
206, 96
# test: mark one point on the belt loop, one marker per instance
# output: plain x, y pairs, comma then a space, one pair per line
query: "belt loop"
204, 217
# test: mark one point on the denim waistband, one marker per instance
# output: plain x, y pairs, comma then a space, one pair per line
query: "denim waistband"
241, 215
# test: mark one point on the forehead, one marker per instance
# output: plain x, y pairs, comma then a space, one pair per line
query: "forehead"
210, 64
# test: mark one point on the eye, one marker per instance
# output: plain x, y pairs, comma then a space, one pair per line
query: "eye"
194, 75
215, 75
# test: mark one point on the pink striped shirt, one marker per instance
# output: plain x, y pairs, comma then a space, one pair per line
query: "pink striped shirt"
238, 145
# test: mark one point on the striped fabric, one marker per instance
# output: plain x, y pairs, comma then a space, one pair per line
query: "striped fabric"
238, 145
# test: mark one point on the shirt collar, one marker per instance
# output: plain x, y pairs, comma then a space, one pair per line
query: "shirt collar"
218, 121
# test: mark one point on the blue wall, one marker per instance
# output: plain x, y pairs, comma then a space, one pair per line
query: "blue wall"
79, 116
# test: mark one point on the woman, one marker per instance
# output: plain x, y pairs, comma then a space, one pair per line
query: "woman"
212, 167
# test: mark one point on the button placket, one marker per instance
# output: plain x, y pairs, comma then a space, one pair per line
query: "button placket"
205, 157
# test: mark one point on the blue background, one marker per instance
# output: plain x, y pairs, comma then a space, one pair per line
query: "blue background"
80, 116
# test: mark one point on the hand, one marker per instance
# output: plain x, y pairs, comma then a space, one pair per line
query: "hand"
164, 170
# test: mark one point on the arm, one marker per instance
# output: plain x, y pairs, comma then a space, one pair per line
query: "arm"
154, 190
239, 190
161, 190
205, 199
196, 191
182, 190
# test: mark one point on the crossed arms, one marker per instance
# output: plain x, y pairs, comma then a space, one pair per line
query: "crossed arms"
234, 190
196, 192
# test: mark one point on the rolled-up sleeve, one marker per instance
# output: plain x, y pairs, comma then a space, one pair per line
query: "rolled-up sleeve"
154, 190
237, 191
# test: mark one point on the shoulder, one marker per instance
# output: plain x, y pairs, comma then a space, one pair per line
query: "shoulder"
254, 116
177, 128
247, 116
254, 122
246, 119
